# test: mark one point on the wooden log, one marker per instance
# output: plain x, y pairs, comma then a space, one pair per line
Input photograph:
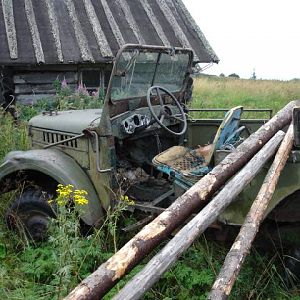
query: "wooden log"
33, 98
110, 272
240, 248
34, 77
143, 281
47, 88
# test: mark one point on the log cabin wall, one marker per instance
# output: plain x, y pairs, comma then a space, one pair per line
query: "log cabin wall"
6, 87
33, 85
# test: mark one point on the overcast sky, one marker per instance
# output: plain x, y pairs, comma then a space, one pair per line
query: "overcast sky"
251, 34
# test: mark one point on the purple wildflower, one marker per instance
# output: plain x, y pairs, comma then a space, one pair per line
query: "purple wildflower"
64, 84
81, 89
95, 93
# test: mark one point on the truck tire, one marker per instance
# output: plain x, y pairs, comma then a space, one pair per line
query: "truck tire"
29, 214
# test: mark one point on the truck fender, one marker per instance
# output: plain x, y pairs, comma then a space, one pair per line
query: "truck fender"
60, 167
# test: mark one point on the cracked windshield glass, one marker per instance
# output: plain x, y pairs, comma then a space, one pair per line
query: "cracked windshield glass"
137, 71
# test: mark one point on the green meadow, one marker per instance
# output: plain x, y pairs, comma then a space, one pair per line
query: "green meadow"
216, 92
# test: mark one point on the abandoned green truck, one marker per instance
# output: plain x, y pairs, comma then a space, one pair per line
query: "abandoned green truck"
144, 143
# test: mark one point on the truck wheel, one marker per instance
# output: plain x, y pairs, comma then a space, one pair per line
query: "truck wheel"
30, 214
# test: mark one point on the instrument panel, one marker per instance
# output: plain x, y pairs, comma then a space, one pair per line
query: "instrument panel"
130, 124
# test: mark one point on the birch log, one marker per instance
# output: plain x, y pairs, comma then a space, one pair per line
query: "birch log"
240, 248
110, 272
143, 281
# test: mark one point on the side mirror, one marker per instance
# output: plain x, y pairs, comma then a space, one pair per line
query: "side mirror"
296, 124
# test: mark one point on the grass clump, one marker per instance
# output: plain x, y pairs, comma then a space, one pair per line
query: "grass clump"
193, 275
13, 135
50, 269
217, 92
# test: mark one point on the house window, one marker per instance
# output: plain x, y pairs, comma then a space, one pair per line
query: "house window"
92, 79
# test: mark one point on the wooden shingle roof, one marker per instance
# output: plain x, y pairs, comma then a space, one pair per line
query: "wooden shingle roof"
78, 31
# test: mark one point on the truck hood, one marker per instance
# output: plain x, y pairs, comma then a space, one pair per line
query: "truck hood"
73, 121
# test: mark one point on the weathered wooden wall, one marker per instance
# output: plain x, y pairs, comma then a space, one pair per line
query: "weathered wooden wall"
6, 86
36, 85
33, 83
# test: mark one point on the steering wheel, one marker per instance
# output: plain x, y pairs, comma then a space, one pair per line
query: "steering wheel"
165, 112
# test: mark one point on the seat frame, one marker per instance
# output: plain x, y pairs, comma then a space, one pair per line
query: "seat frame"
196, 165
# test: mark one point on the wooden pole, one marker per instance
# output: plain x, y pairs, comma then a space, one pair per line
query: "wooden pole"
110, 272
240, 248
143, 281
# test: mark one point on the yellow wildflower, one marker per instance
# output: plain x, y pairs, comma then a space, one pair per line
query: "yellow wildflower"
61, 201
80, 192
80, 200
66, 193
127, 200
79, 197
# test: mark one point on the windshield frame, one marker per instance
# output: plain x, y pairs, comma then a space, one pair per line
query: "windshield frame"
145, 48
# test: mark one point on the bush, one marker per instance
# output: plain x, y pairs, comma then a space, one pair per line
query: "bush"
65, 99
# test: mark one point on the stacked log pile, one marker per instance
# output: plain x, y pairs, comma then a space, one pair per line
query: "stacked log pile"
241, 247
247, 159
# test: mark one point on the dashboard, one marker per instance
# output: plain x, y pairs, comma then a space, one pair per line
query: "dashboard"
129, 122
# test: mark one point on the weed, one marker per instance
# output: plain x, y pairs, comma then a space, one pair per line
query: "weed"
66, 99
13, 136
51, 269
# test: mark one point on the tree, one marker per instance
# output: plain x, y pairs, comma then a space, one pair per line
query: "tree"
253, 75
234, 75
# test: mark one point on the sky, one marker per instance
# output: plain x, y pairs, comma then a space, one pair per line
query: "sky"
251, 35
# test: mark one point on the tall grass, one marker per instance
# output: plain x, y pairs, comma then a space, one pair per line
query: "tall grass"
13, 136
215, 92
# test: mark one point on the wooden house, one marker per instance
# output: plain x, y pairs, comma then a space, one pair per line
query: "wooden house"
44, 40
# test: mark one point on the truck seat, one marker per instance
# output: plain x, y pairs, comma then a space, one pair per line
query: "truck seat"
187, 164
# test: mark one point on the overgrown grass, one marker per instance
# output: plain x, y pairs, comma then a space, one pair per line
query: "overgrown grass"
215, 92
194, 273
51, 269
13, 136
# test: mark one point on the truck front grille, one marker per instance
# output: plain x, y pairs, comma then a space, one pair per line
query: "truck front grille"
51, 137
